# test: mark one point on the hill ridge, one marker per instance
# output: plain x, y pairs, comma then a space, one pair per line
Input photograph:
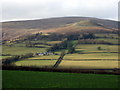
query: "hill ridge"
15, 29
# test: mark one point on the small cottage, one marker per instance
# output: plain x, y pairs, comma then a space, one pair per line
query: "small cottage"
44, 53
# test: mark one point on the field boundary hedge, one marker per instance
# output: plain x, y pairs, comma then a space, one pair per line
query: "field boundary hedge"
115, 71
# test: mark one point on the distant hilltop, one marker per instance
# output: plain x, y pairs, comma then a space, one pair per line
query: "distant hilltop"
16, 29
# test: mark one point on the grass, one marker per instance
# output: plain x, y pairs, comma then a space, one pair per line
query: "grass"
107, 35
93, 48
30, 79
74, 42
52, 57
46, 46
99, 64
114, 41
53, 42
106, 56
38, 63
21, 50
3, 57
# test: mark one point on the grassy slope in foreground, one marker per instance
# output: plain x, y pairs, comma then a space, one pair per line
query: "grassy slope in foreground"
30, 79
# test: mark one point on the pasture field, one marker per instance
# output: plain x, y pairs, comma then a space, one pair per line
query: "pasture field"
102, 56
113, 41
46, 42
21, 50
23, 45
36, 63
3, 57
19, 45
107, 35
97, 64
94, 48
53, 42
31, 79
49, 57
45, 46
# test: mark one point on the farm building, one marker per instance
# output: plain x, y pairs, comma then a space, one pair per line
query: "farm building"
45, 53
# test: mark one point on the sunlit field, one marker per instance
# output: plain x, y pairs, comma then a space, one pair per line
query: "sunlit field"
21, 50
99, 64
36, 63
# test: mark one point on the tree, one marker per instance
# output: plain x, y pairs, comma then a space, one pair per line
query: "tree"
89, 36
99, 48
71, 50
73, 36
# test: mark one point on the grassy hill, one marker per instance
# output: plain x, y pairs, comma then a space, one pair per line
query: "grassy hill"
15, 29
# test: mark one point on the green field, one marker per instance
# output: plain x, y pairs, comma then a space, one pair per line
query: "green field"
94, 48
30, 79
107, 35
3, 57
49, 57
34, 63
97, 64
21, 50
53, 42
102, 56
114, 41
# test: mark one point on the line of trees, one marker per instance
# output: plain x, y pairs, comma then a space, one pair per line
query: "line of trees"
12, 59
40, 36
59, 59
93, 41
59, 37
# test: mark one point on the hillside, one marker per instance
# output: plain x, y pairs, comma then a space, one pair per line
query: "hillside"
17, 29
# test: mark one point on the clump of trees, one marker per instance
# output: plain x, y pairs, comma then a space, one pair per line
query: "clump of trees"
88, 36
72, 36
59, 37
71, 48
99, 48
63, 45
40, 36
55, 47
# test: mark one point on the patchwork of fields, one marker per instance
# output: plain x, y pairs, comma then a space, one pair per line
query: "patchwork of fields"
90, 57
85, 56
